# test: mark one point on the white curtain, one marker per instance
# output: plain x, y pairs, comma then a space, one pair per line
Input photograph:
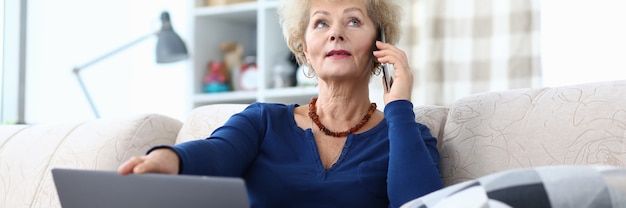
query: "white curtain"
463, 47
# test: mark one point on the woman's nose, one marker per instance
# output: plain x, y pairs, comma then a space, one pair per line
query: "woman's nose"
336, 36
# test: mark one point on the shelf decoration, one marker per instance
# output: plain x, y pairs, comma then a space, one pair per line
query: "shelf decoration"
244, 28
216, 79
284, 71
248, 74
233, 57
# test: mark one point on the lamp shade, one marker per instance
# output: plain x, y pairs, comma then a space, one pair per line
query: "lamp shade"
170, 47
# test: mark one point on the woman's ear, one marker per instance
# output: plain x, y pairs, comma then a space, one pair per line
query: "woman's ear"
305, 50
306, 53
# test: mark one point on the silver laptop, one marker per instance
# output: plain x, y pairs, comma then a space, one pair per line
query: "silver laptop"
95, 189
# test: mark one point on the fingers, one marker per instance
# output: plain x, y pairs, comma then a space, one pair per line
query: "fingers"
147, 166
402, 77
158, 161
139, 165
392, 55
129, 166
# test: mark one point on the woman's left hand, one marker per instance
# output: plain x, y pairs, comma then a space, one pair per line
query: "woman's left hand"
403, 77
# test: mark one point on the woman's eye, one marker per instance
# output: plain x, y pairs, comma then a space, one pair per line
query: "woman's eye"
321, 23
354, 22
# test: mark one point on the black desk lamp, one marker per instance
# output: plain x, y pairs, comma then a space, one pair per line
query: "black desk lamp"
170, 48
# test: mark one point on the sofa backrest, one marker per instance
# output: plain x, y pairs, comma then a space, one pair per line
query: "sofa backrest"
570, 125
29, 152
203, 120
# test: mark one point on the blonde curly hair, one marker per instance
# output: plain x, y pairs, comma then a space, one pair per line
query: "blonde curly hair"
294, 18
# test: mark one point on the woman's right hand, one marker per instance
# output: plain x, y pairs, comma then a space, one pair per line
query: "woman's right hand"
403, 77
158, 161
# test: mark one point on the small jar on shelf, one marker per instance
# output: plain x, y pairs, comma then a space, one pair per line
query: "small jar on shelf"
248, 74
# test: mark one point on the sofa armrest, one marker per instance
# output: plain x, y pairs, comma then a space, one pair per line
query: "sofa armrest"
28, 153
580, 124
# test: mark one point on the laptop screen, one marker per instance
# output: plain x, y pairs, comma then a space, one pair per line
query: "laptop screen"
91, 188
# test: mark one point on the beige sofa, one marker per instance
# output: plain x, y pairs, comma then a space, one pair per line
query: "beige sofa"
480, 134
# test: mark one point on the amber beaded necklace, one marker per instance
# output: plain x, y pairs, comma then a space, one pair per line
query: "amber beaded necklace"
316, 120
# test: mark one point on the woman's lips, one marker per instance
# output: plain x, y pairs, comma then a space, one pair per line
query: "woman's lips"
338, 53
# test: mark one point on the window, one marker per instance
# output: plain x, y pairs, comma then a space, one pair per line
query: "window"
11, 108
583, 41
61, 37
2, 62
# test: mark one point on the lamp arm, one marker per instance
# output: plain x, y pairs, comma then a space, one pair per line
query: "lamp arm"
107, 55
82, 86
78, 69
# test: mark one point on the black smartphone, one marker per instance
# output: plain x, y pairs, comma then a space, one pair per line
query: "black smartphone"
388, 70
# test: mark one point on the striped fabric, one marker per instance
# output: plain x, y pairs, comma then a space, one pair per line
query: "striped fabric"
547, 186
464, 47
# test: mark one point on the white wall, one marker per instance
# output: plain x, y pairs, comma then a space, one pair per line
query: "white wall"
64, 34
583, 41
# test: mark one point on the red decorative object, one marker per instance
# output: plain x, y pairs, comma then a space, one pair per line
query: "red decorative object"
316, 120
216, 78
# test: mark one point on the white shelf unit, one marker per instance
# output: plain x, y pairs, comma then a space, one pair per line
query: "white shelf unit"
255, 26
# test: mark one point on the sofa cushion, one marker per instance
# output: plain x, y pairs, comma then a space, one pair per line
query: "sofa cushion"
204, 120
434, 117
546, 186
29, 152
570, 125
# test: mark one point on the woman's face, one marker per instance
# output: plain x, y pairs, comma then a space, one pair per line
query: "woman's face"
339, 38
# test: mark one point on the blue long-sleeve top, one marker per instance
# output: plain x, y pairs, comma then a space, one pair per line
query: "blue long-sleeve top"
386, 166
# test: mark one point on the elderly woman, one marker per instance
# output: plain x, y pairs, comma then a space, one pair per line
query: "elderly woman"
338, 151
